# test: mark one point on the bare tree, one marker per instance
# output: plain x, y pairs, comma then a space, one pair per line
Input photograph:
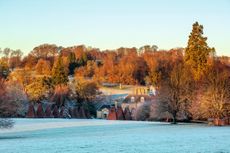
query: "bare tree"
143, 112
175, 93
216, 98
7, 107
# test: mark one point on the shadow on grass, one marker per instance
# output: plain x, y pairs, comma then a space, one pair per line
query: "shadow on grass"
11, 137
164, 124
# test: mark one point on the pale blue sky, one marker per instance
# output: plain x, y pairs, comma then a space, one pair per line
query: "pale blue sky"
25, 24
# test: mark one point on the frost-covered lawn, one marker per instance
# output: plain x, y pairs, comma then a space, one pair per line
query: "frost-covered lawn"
101, 136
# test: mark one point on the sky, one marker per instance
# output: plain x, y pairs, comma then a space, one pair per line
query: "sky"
110, 24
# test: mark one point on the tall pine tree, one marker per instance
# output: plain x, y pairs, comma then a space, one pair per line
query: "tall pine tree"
59, 74
197, 51
72, 63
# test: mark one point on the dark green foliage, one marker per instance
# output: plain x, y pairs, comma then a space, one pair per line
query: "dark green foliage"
59, 74
85, 94
90, 108
4, 69
82, 60
197, 51
72, 63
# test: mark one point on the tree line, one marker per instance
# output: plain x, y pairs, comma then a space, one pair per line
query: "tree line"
192, 80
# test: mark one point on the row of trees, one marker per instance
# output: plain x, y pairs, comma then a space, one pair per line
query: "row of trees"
192, 81
124, 65
48, 81
198, 87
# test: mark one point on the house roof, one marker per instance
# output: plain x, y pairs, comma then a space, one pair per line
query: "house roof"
104, 106
137, 98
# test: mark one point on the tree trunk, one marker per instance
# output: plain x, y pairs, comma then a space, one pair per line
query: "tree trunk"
174, 119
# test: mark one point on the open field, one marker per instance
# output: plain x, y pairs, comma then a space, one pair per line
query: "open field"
86, 136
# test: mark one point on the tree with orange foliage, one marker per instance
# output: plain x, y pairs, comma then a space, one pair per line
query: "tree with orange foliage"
29, 62
89, 70
214, 101
81, 56
61, 94
45, 51
43, 67
15, 58
36, 91
132, 69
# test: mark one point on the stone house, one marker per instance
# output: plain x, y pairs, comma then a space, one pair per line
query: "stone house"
103, 112
128, 109
135, 101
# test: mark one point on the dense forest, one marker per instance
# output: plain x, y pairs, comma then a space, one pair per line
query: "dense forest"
193, 80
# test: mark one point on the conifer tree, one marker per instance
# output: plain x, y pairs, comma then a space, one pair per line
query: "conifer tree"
59, 74
197, 51
72, 63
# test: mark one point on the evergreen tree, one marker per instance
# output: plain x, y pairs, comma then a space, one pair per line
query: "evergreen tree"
4, 69
82, 60
72, 63
197, 51
59, 74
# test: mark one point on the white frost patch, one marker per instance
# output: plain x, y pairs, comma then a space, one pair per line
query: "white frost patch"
86, 136
22, 125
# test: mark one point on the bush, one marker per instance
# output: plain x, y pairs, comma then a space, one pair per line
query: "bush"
143, 113
6, 123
